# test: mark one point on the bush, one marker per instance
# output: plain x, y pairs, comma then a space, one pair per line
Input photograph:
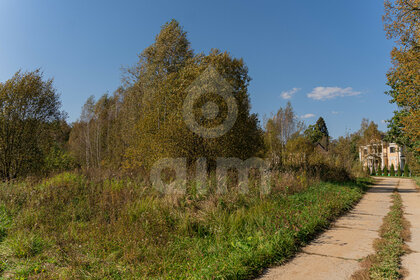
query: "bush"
58, 160
399, 173
406, 171
373, 173
392, 170
385, 171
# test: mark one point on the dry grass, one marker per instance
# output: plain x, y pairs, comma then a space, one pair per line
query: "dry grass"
74, 227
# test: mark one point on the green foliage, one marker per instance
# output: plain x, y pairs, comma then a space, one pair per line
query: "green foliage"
318, 133
58, 160
279, 130
385, 171
25, 245
417, 180
5, 221
30, 118
406, 170
369, 133
313, 133
401, 25
121, 228
392, 170
373, 171
399, 173
144, 120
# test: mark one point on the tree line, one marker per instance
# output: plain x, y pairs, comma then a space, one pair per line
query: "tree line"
143, 121
401, 21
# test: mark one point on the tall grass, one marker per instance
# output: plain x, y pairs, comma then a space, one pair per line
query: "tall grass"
72, 227
417, 179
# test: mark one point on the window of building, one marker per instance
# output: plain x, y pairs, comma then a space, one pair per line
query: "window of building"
392, 149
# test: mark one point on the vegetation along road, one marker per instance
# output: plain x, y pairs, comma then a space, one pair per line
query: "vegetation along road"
341, 252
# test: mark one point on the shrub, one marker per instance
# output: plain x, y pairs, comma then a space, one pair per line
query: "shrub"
406, 171
385, 171
58, 160
392, 170
365, 172
399, 173
373, 173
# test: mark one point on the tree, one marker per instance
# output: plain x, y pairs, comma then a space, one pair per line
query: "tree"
279, 129
397, 134
373, 173
399, 171
402, 25
318, 133
322, 127
29, 120
392, 170
345, 151
144, 119
385, 171
406, 170
369, 133
100, 136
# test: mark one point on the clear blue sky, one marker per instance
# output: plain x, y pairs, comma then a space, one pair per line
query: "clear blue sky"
328, 57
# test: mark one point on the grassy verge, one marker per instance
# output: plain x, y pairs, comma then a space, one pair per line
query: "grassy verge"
69, 227
417, 179
386, 262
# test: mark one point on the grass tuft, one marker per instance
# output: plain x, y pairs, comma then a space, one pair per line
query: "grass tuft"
390, 247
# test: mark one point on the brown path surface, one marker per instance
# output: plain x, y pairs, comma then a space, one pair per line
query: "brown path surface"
411, 202
336, 253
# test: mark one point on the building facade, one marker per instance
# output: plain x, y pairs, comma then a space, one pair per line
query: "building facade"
381, 154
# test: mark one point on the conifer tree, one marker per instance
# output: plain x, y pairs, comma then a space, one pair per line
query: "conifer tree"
385, 171
399, 173
392, 170
406, 170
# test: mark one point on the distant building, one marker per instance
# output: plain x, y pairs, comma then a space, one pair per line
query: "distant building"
381, 154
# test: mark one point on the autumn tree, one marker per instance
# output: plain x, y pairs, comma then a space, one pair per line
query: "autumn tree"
345, 152
29, 120
96, 139
144, 120
401, 22
279, 129
369, 133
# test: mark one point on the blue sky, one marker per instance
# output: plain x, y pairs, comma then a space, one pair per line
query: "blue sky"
329, 58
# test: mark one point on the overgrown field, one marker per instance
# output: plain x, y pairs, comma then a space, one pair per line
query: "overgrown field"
71, 227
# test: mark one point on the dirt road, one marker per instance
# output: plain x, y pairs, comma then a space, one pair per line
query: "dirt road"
336, 254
